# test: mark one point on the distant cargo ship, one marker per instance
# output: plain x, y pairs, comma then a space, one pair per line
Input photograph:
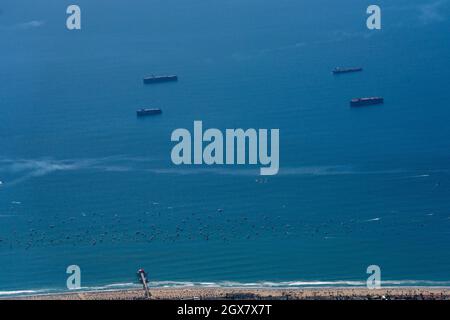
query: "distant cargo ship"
148, 112
360, 102
158, 79
339, 70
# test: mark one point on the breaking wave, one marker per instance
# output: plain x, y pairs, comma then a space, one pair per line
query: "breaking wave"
299, 284
24, 292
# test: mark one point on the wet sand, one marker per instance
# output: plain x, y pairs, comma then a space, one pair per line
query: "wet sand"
200, 293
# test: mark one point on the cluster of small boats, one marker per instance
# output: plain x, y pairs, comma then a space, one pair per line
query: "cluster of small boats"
358, 102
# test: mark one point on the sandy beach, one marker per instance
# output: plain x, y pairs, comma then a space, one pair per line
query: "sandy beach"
200, 293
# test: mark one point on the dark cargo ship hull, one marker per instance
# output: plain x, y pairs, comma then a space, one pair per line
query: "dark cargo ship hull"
366, 102
346, 70
148, 112
159, 79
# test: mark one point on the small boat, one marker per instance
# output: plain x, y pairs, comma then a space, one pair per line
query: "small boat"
339, 70
148, 112
157, 79
360, 102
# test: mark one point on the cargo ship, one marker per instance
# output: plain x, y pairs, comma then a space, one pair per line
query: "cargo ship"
360, 102
158, 79
340, 70
148, 112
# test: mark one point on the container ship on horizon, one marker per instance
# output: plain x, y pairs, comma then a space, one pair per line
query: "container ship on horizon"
339, 70
360, 102
158, 79
148, 112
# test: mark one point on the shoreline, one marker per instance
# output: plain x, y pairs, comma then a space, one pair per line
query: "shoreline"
221, 293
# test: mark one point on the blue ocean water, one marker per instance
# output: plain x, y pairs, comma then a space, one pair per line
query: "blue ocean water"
85, 182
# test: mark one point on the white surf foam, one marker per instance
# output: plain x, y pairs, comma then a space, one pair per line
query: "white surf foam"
23, 292
299, 284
